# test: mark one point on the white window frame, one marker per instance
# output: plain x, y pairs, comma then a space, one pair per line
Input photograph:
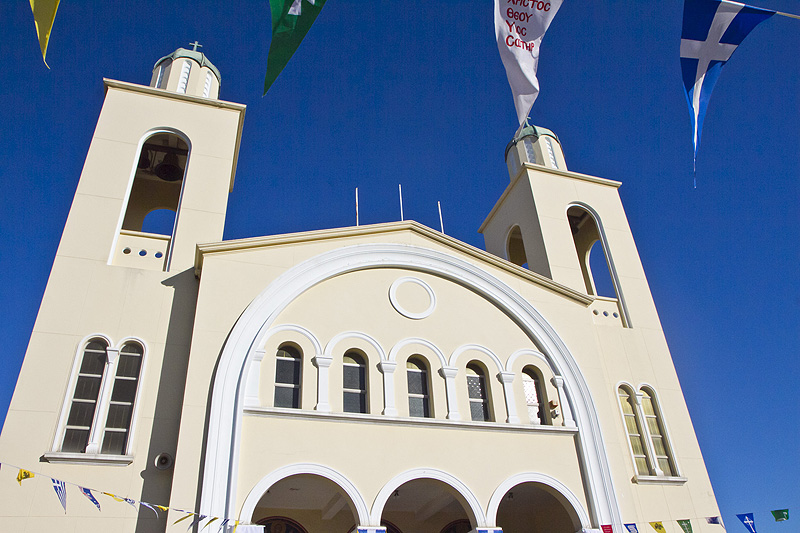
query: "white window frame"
656, 475
299, 385
418, 360
98, 428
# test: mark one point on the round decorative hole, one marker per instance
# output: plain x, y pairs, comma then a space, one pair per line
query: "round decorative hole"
616, 315
605, 313
126, 251
596, 312
159, 255
402, 310
142, 253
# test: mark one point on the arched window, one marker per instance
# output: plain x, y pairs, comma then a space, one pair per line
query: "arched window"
633, 426
104, 399
478, 394
658, 437
85, 398
288, 369
589, 246
354, 378
516, 248
123, 397
535, 398
158, 179
418, 396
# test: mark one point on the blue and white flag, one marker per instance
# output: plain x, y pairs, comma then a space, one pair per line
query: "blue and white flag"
747, 520
631, 528
149, 507
88, 494
61, 491
712, 29
714, 520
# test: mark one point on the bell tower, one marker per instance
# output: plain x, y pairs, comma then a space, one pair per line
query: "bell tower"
560, 224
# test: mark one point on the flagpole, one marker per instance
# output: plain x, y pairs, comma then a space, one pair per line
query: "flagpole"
790, 15
441, 224
356, 206
400, 189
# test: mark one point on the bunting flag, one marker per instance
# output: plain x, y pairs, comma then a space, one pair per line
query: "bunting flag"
184, 518
197, 520
780, 515
291, 20
90, 496
44, 14
210, 522
686, 525
165, 509
23, 474
519, 27
714, 520
712, 29
150, 507
658, 526
631, 528
61, 491
607, 528
747, 521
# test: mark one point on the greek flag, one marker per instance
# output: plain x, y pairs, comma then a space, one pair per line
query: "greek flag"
61, 491
712, 29
90, 496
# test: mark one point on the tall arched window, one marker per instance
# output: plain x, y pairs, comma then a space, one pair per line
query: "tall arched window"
354, 379
586, 234
104, 399
123, 397
478, 393
516, 248
85, 398
655, 428
633, 427
418, 396
288, 369
535, 398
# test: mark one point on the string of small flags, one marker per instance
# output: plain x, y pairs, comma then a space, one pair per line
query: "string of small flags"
60, 488
780, 515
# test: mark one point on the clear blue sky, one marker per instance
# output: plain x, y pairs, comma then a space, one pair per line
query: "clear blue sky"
414, 92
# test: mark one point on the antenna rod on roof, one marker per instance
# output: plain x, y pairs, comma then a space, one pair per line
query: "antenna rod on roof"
400, 189
441, 223
356, 206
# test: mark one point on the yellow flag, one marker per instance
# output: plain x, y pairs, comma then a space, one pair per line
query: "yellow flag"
23, 474
44, 13
161, 507
235, 525
184, 518
658, 526
209, 522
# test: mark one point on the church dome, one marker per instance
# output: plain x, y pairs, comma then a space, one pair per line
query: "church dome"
187, 71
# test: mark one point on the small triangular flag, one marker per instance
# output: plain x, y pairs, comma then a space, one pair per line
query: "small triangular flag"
90, 496
686, 525
658, 526
23, 474
631, 528
747, 521
61, 491
780, 515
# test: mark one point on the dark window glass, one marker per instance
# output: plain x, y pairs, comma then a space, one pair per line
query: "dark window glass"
81, 414
287, 397
355, 402
418, 407
287, 371
114, 442
355, 377
75, 440
87, 388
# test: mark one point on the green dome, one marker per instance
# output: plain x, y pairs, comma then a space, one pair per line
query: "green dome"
529, 130
198, 57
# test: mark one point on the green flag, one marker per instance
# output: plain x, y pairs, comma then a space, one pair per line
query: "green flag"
780, 515
686, 525
291, 20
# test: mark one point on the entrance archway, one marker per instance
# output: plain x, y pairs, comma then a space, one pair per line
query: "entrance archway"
532, 507
425, 506
304, 503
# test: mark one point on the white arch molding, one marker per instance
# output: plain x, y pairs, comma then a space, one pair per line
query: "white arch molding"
226, 409
255, 494
543, 479
426, 473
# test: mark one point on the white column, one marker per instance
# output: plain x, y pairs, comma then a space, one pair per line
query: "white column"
323, 363
253, 385
449, 374
387, 368
648, 440
103, 399
566, 412
507, 379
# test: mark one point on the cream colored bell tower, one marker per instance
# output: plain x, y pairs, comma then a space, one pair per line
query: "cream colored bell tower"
100, 392
551, 220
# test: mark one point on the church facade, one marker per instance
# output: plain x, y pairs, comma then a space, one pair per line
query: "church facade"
382, 378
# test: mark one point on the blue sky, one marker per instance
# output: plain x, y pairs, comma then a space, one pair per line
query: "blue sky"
414, 92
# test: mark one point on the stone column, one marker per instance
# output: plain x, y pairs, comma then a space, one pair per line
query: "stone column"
252, 386
387, 368
323, 363
449, 374
507, 379
566, 411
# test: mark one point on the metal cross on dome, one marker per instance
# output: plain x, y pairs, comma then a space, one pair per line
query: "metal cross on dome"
194, 45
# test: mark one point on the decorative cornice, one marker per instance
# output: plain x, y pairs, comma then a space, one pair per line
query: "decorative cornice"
241, 245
